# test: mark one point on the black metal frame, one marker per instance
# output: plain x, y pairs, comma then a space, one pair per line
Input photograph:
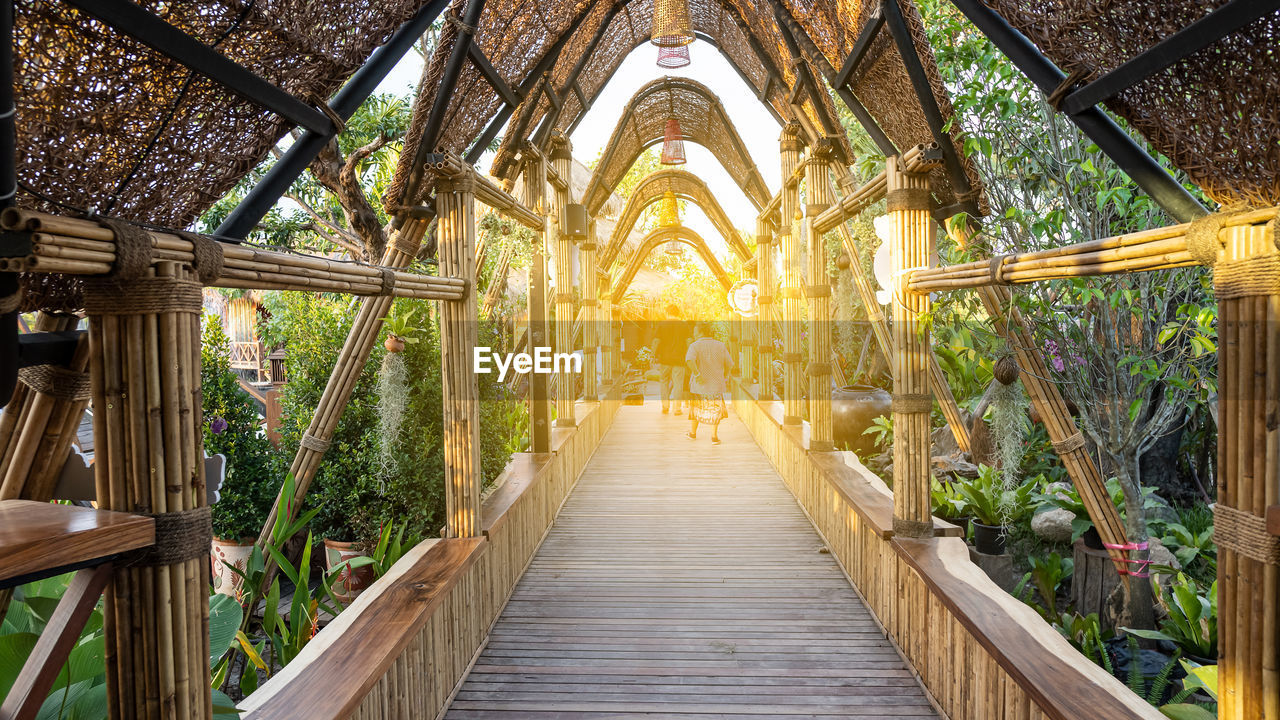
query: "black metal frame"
137, 22
255, 205
8, 197
1198, 35
1097, 125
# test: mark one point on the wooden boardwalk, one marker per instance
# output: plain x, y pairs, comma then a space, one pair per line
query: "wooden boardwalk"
682, 580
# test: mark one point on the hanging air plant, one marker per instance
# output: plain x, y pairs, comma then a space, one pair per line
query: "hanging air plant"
669, 211
1009, 424
672, 26
393, 390
673, 57
673, 144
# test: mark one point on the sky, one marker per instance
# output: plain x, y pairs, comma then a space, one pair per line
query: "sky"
758, 128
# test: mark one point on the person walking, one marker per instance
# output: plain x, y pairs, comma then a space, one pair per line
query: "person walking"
672, 341
710, 362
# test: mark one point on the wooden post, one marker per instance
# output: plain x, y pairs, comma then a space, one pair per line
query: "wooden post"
1247, 284
818, 198
764, 300
456, 233
566, 312
535, 197
911, 247
144, 359
355, 353
604, 322
792, 383
589, 303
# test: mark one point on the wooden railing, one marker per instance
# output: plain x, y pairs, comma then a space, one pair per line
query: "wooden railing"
981, 653
403, 646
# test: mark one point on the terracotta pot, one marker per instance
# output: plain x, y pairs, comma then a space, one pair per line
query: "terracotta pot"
229, 552
853, 408
393, 343
988, 539
350, 583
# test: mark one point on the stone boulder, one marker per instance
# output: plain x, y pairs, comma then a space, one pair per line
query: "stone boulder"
1053, 525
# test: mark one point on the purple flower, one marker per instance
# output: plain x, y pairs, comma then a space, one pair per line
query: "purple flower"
1055, 359
217, 425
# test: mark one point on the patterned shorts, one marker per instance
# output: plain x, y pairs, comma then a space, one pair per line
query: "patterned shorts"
708, 409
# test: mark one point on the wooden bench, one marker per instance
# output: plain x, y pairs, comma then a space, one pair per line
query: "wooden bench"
39, 540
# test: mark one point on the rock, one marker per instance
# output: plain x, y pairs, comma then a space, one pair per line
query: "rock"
982, 448
1162, 512
943, 442
1053, 525
1161, 555
953, 465
1058, 489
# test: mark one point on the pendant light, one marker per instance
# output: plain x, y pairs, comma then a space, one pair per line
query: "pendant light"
673, 57
672, 26
669, 211
673, 144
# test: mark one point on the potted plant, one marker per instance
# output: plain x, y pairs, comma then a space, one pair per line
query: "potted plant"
400, 329
949, 504
232, 429
993, 508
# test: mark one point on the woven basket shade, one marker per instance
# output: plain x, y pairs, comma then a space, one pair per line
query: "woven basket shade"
673, 57
673, 144
669, 211
672, 26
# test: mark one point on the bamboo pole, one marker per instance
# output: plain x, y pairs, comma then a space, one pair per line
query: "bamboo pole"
355, 353
535, 196
246, 267
818, 198
912, 246
455, 204
145, 367
590, 300
1154, 249
566, 312
918, 158
764, 300
792, 393
1247, 284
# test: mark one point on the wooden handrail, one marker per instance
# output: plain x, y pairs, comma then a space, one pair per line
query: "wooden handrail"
334, 672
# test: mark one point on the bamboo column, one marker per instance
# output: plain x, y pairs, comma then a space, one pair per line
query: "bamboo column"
535, 196
911, 247
355, 353
793, 379
1247, 284
566, 312
41, 420
456, 233
1066, 438
747, 355
589, 303
818, 197
144, 358
604, 321
764, 301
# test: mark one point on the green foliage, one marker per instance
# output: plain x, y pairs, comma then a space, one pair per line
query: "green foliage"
231, 428
1047, 575
1068, 499
1085, 633
990, 503
1192, 548
1192, 617
80, 690
882, 429
401, 324
945, 500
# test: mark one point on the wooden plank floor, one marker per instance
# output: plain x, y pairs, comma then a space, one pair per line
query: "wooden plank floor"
682, 580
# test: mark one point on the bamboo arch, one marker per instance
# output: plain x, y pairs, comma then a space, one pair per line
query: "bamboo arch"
664, 235
703, 120
684, 185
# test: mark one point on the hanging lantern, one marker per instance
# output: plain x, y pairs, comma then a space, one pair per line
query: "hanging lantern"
673, 144
669, 211
673, 248
673, 57
671, 24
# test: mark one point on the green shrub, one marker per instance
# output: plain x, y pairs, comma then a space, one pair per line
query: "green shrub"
231, 428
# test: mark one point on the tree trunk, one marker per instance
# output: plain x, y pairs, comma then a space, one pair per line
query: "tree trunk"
1140, 601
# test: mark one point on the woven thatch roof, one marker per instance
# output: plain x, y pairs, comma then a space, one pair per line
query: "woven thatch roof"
516, 34
659, 237
703, 120
685, 186
105, 122
1215, 113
